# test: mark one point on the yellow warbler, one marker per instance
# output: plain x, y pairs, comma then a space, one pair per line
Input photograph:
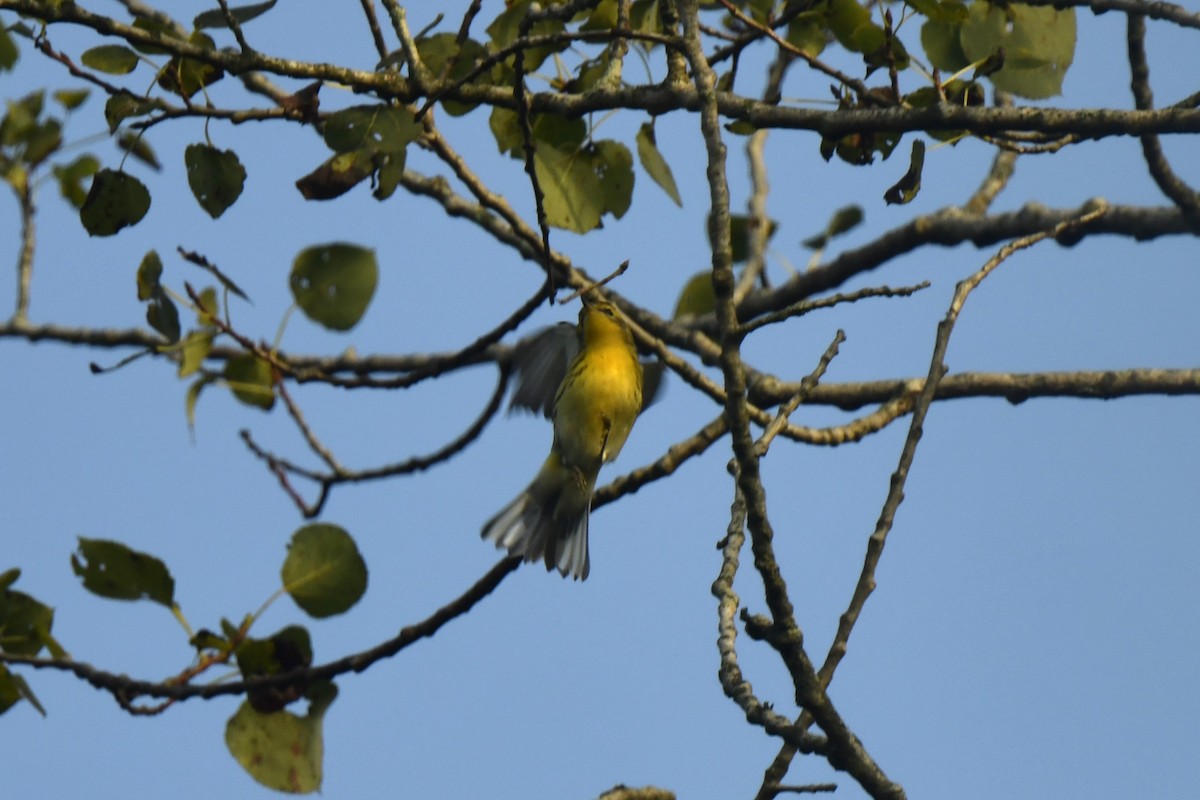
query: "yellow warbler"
594, 410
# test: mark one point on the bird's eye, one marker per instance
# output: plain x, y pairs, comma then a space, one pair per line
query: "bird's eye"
607, 310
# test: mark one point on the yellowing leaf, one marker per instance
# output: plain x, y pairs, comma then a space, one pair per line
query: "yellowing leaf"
613, 165
697, 297
571, 191
655, 165
282, 750
251, 380
194, 349
1038, 43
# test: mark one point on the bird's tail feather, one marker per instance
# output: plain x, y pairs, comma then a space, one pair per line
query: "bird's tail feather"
541, 525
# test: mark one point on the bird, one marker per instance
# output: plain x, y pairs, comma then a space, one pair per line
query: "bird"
593, 411
539, 363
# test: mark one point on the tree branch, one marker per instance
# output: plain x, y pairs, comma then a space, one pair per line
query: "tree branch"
1156, 160
128, 689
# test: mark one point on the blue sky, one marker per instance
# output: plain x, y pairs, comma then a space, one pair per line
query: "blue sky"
1034, 633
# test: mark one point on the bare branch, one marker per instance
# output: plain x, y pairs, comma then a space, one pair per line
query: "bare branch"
661, 98
846, 752
952, 226
1156, 160
895, 495
368, 7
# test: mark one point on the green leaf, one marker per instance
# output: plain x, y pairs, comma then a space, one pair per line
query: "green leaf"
436, 52
552, 130
42, 141
588, 74
116, 200
136, 145
193, 350
602, 18
215, 18
282, 750
571, 191
851, 24
613, 164
373, 128
8, 51
216, 177
25, 623
158, 27
114, 59
71, 99
950, 11
206, 310
643, 17
163, 316
1038, 42
148, 275
21, 119
506, 130
185, 76
807, 33
505, 29
289, 649
8, 578
251, 380
739, 235
204, 639
13, 689
110, 569
741, 127
121, 107
655, 165
324, 572
843, 220
70, 178
565, 133
333, 284
904, 190
391, 170
943, 44
697, 297
193, 397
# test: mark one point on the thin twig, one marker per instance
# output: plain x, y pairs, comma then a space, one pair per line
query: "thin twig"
758, 224
529, 153
368, 7
860, 88
314, 444
895, 496
590, 285
1157, 165
807, 306
806, 386
234, 26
